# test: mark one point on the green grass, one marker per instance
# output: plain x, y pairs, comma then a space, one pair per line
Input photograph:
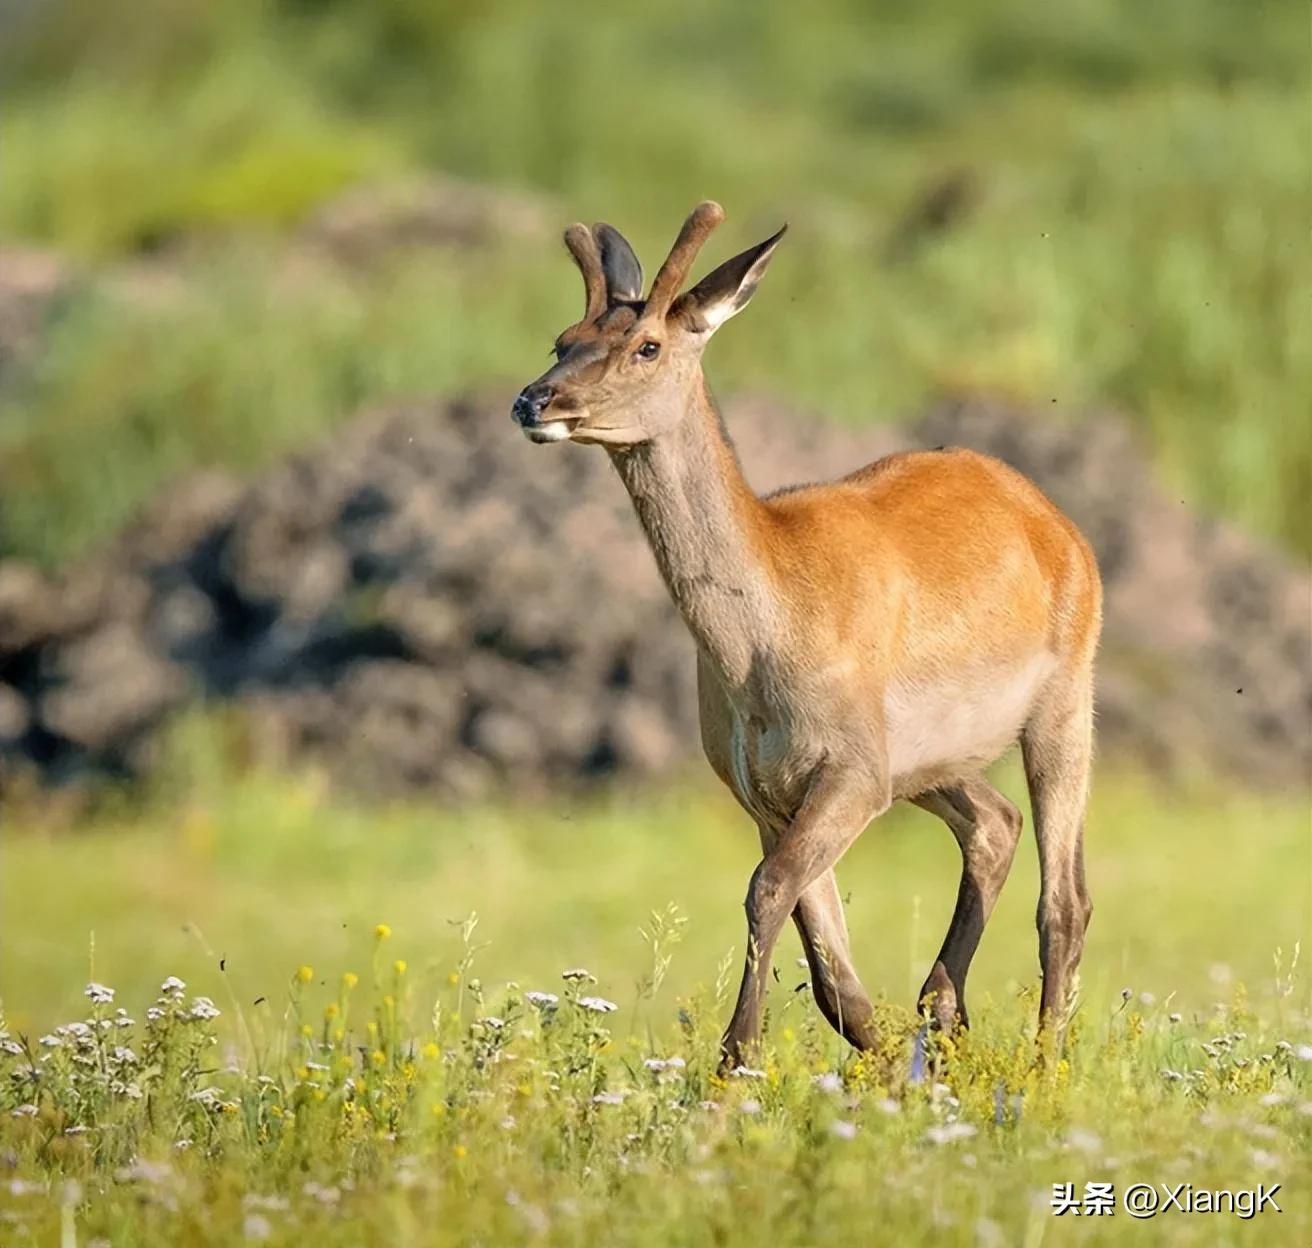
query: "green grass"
1138, 236
429, 1126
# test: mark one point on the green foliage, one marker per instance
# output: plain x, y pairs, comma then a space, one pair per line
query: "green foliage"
1130, 223
389, 1104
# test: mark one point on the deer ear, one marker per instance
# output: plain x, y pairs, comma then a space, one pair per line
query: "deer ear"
620, 264
725, 291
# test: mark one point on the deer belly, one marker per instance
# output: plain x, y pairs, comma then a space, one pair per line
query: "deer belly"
936, 731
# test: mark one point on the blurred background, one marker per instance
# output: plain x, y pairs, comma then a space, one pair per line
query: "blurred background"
298, 635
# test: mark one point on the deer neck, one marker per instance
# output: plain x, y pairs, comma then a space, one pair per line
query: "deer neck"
705, 526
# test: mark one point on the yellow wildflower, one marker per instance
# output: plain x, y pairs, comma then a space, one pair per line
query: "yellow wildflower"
305, 974
382, 931
349, 980
399, 966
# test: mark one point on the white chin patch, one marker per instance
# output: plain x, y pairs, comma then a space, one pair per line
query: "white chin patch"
555, 431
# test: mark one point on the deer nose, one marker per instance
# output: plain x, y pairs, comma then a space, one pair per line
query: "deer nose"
531, 402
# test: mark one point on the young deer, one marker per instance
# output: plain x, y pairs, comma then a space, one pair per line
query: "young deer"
884, 636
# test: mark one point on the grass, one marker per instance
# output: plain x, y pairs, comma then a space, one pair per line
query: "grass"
1135, 234
357, 1087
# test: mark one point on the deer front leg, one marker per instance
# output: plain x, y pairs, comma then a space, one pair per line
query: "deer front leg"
837, 808
838, 990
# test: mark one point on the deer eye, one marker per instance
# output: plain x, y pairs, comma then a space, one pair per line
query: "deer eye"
560, 350
648, 351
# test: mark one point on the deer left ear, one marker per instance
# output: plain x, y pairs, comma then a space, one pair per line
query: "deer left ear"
725, 291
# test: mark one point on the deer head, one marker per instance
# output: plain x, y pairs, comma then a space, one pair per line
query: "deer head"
629, 369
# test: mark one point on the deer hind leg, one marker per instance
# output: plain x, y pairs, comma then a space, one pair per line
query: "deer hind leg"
1057, 745
987, 828
838, 991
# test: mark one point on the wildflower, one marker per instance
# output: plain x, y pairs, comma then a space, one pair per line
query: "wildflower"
78, 1130
888, 1106
1084, 1141
11, 1047
709, 1107
949, 1133
99, 994
154, 1013
492, 1022
399, 966
378, 1057
1126, 993
51, 1042
431, 1051
349, 980
305, 974
460, 1152
508, 1123
747, 1072
843, 1130
316, 1066
598, 1005
542, 1000
608, 1098
125, 1055
750, 1107
1304, 1052
25, 1111
173, 984
204, 1009
828, 1082
256, 1227
1175, 1018
382, 932
577, 975
331, 1010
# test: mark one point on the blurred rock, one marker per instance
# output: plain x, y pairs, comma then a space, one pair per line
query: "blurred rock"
427, 602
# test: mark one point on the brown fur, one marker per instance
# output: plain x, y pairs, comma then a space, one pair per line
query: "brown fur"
884, 636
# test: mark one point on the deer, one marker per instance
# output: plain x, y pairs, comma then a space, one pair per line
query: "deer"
883, 637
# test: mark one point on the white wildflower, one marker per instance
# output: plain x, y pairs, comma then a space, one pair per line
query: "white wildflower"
125, 1055
747, 1072
1175, 1018
949, 1133
154, 1013
11, 1047
597, 1005
608, 1098
828, 1082
25, 1111
51, 1042
542, 1000
749, 1106
493, 1022
173, 984
78, 1130
709, 1107
203, 1008
888, 1106
1304, 1052
256, 1227
843, 1130
577, 975
99, 994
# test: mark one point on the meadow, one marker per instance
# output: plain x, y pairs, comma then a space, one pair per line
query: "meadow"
399, 1057
1105, 207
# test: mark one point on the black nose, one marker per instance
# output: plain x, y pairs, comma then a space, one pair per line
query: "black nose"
531, 402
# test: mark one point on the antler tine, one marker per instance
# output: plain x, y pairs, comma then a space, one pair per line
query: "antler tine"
696, 229
583, 247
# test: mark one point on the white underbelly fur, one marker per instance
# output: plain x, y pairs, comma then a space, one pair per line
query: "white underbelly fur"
962, 723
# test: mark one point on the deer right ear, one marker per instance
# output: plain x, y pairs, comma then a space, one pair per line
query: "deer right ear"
725, 291
619, 263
